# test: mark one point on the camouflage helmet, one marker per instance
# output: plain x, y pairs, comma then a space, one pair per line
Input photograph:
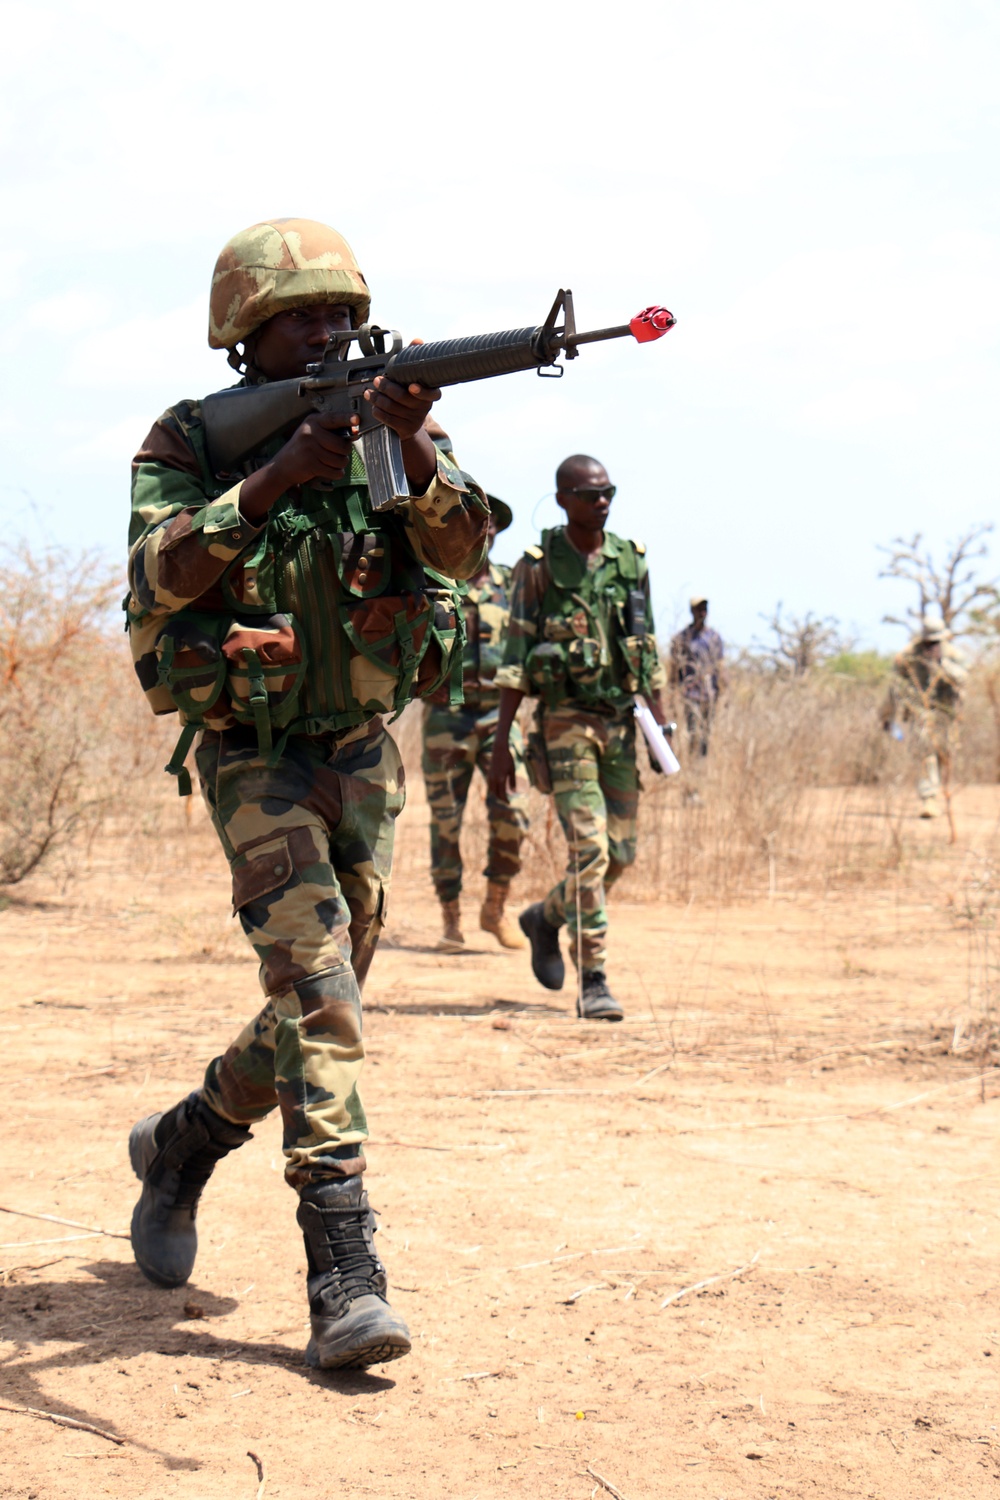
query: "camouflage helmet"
274, 266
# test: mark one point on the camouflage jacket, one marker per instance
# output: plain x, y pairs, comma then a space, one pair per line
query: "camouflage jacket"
581, 635
319, 618
921, 686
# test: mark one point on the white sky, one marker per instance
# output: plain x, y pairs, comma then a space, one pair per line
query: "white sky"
812, 189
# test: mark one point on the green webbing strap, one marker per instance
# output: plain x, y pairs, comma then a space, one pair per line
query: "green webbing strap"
175, 765
166, 660
456, 684
279, 749
258, 699
410, 658
356, 512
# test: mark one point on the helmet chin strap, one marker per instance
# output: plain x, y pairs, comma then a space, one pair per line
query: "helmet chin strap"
242, 360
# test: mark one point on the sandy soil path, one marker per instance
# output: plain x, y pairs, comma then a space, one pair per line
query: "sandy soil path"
781, 1117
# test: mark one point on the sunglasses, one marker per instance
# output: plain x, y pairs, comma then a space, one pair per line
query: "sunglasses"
586, 493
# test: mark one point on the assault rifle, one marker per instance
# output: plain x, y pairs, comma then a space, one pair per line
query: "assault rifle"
238, 421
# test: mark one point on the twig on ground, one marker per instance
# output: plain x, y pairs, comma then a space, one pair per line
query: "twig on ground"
605, 1484
711, 1281
593, 1286
261, 1473
51, 1416
532, 1265
482, 1375
63, 1239
511, 1093
413, 1145
23, 1213
653, 1072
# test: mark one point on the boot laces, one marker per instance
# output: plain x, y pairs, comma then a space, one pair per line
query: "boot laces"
355, 1263
195, 1172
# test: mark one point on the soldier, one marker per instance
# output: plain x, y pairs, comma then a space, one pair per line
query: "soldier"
581, 641
926, 692
281, 617
457, 739
697, 674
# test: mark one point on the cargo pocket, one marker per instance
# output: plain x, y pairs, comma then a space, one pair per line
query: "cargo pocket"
545, 669
261, 870
265, 662
191, 666
585, 661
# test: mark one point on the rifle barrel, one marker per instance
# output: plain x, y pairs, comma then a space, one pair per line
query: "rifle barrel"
597, 334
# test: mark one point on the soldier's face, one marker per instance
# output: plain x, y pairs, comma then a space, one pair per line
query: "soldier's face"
291, 340
699, 614
587, 498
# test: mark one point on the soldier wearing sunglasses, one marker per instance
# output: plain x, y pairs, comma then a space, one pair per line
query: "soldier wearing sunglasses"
581, 643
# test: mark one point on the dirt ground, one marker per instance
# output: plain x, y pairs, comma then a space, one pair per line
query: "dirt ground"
742, 1245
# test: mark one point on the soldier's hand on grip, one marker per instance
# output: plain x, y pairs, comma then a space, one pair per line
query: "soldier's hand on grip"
317, 449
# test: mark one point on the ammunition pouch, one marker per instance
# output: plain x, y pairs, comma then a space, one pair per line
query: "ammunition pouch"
536, 759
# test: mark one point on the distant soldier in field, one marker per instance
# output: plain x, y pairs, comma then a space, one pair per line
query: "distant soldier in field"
926, 693
458, 739
581, 641
697, 674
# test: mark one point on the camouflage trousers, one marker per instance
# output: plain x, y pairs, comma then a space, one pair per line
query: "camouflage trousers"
935, 735
456, 741
596, 788
309, 844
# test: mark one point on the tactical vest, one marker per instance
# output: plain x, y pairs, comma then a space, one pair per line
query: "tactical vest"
593, 645
486, 612
326, 620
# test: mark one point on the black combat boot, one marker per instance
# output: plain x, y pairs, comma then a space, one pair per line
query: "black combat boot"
597, 1003
173, 1156
546, 958
352, 1322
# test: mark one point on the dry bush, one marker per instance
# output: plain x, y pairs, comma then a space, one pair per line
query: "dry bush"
70, 729
802, 791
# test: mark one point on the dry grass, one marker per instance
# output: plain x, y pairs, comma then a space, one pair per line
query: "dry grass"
801, 790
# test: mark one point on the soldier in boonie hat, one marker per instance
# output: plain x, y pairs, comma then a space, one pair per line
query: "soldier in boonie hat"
926, 693
457, 740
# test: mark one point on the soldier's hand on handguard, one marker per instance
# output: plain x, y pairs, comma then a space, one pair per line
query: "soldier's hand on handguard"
502, 778
402, 407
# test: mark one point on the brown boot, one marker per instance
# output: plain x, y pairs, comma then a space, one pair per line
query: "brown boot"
453, 941
492, 919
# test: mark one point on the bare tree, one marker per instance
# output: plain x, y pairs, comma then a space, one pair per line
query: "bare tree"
955, 589
801, 644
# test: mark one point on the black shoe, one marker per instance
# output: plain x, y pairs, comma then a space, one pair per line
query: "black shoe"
353, 1325
174, 1155
597, 1002
546, 959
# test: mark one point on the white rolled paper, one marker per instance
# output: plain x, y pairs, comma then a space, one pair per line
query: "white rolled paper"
655, 738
